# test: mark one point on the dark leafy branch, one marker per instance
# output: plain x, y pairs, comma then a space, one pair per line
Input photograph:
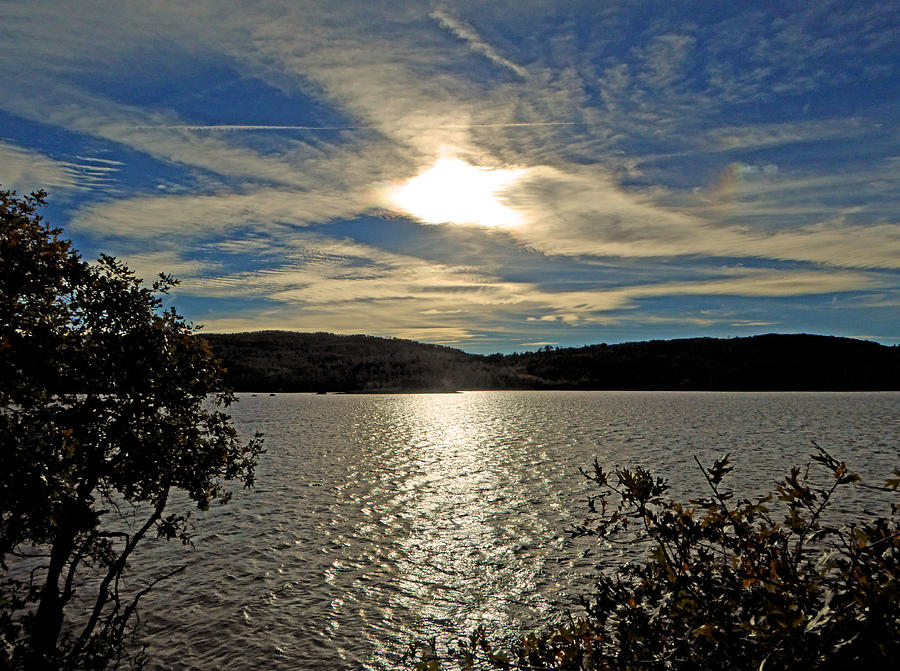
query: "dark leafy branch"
109, 403
776, 582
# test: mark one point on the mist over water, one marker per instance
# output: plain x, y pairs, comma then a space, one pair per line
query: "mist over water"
380, 519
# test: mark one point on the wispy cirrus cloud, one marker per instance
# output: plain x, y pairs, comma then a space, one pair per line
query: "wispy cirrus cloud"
324, 275
153, 133
763, 136
26, 170
477, 43
199, 216
651, 153
584, 212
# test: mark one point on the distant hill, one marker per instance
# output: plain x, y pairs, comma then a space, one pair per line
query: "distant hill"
766, 362
287, 361
324, 362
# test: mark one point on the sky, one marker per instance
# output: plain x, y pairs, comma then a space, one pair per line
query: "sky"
492, 176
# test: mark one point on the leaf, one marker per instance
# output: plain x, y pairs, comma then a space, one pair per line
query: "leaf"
706, 631
720, 468
893, 482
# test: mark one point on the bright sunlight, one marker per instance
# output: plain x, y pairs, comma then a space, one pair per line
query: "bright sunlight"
453, 191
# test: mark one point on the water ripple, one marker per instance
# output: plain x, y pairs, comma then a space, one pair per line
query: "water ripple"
378, 519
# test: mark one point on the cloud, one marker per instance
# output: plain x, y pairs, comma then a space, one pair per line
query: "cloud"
587, 306
25, 170
764, 136
646, 165
147, 265
466, 33
390, 299
665, 60
583, 211
335, 275
191, 217
281, 317
155, 134
274, 127
887, 299
768, 283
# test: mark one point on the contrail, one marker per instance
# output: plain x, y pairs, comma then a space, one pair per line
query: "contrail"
478, 44
513, 124
245, 127
231, 127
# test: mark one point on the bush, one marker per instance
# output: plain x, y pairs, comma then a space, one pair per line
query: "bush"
772, 583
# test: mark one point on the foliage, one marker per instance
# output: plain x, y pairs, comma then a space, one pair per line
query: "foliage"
109, 405
764, 362
310, 362
771, 583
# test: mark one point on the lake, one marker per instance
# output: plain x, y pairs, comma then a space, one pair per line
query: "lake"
379, 519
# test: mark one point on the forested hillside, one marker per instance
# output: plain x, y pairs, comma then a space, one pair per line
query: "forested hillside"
324, 362
766, 362
314, 362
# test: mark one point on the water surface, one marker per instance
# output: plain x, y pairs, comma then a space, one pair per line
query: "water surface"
382, 518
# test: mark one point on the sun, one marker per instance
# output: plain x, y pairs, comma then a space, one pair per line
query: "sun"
453, 191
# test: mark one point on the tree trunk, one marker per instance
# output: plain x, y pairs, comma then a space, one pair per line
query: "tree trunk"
48, 619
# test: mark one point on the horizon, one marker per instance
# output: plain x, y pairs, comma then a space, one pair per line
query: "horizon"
583, 345
492, 178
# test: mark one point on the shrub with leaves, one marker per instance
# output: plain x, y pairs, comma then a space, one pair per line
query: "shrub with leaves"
728, 583
109, 406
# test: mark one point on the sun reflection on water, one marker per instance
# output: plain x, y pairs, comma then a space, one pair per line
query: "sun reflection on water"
460, 562
378, 520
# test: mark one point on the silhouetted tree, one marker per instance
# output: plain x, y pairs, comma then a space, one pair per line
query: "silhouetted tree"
108, 405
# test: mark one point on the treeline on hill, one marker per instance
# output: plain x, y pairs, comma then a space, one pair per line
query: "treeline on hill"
772, 362
324, 362
316, 362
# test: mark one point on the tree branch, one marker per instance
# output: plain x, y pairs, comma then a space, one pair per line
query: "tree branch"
115, 570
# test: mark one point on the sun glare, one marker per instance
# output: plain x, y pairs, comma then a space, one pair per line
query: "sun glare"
453, 191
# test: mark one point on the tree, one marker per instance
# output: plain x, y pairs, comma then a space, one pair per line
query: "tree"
779, 582
108, 406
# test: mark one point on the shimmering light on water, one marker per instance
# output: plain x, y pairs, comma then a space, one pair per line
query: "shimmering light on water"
378, 519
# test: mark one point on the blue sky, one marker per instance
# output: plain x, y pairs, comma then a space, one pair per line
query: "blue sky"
494, 176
